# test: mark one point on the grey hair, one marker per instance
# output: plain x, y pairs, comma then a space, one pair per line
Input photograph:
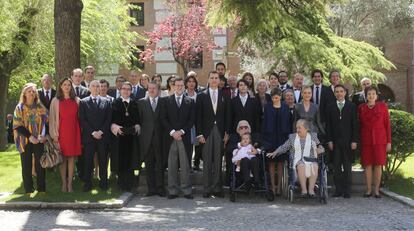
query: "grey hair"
304, 123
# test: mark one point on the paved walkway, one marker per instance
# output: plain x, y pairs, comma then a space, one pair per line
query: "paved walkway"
156, 213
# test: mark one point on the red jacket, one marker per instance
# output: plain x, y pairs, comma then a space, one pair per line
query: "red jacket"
374, 123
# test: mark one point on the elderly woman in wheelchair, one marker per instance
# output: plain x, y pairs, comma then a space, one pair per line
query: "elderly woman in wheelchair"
304, 148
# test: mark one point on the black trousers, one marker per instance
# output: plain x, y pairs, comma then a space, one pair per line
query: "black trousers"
247, 166
26, 161
342, 161
125, 170
198, 153
154, 163
229, 167
101, 148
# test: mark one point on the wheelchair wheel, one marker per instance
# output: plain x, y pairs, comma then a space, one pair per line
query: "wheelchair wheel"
290, 195
270, 196
232, 196
285, 180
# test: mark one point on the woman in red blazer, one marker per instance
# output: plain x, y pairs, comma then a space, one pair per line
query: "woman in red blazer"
375, 131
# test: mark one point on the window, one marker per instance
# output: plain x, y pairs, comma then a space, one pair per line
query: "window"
197, 62
135, 60
138, 14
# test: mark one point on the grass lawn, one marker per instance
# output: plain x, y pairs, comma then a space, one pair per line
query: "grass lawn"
11, 181
403, 182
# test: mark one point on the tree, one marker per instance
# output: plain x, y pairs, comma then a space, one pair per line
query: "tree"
297, 34
106, 40
402, 135
377, 22
12, 53
185, 32
67, 19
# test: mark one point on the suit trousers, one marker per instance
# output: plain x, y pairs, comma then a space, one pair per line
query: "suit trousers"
342, 161
26, 161
178, 156
212, 161
101, 148
154, 163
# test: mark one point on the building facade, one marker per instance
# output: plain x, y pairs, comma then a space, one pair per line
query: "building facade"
153, 12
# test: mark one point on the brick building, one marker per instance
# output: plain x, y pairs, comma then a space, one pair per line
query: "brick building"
153, 12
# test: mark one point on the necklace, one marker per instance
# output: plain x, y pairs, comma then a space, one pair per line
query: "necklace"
126, 109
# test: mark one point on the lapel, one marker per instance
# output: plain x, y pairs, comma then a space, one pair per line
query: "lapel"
209, 103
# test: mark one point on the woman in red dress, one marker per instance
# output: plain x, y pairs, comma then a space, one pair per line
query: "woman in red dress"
375, 131
65, 130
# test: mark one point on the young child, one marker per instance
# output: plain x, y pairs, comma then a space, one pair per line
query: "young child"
245, 150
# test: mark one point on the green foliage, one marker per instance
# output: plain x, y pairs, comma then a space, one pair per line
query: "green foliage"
296, 35
105, 38
402, 134
378, 22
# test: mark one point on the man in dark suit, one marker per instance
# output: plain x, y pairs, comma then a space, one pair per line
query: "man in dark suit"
151, 139
242, 107
80, 91
297, 87
178, 118
283, 79
116, 92
46, 93
342, 136
89, 75
359, 97
137, 91
210, 130
95, 119
320, 94
9, 126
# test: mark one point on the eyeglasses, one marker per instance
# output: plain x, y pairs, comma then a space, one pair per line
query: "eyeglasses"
126, 88
243, 127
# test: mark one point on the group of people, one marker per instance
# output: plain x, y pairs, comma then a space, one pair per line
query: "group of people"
136, 122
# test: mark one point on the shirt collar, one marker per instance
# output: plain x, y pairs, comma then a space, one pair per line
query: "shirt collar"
244, 97
125, 100
338, 102
49, 91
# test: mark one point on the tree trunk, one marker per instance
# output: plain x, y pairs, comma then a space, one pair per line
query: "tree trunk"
10, 60
67, 17
4, 85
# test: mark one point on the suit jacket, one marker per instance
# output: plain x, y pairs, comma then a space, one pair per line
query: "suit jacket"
139, 94
250, 112
83, 83
206, 118
287, 87
112, 92
95, 117
300, 96
323, 100
342, 127
177, 118
42, 97
151, 125
83, 92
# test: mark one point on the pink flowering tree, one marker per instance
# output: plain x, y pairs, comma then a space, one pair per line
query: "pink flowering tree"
186, 33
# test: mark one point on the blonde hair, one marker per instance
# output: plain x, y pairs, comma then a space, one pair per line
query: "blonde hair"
26, 87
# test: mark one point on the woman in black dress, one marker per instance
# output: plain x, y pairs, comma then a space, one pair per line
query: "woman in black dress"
276, 128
